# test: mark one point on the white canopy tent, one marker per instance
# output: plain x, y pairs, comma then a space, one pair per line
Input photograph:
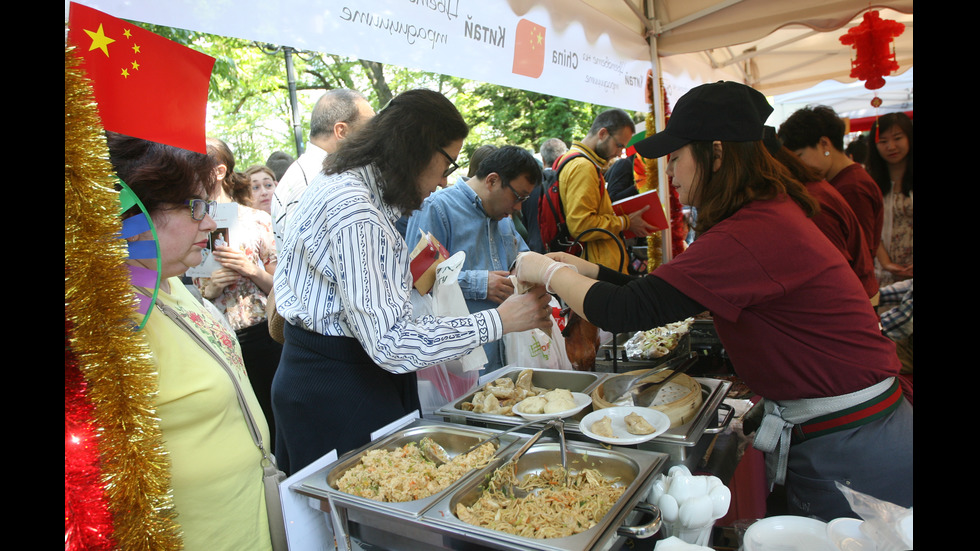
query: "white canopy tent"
593, 50
773, 45
597, 51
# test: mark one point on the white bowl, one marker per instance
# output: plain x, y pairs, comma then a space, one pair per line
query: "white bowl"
618, 414
788, 533
581, 401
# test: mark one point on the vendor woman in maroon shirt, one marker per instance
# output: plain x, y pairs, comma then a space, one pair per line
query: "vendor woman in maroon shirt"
791, 313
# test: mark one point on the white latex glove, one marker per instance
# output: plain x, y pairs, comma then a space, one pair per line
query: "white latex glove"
534, 268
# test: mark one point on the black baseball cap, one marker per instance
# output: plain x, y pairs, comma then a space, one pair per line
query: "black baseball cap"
724, 111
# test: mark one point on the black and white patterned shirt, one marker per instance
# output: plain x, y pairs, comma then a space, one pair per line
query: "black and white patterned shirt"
344, 271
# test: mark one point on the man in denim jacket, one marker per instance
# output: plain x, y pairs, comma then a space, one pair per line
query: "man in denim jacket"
475, 217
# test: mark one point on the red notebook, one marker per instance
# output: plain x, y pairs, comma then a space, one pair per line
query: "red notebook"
654, 215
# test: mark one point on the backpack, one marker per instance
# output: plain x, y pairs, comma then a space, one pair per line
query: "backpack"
551, 212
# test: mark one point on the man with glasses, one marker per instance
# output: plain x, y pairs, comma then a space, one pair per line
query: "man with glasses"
584, 196
475, 216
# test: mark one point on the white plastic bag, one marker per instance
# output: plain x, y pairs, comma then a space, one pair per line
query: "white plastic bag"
442, 383
439, 384
535, 348
448, 301
887, 524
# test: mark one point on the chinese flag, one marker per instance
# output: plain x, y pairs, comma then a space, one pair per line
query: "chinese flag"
145, 85
529, 49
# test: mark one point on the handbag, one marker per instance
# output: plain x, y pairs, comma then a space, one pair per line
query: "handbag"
276, 322
271, 474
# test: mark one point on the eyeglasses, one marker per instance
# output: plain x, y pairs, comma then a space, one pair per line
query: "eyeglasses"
452, 164
520, 198
200, 208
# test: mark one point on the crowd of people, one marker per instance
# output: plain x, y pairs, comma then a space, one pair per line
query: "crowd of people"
796, 245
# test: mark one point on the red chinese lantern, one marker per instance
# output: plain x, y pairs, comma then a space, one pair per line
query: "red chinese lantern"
873, 43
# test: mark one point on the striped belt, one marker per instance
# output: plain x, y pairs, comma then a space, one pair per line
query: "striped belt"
861, 414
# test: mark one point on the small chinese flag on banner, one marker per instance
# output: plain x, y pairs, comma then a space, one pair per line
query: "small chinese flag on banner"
145, 85
529, 49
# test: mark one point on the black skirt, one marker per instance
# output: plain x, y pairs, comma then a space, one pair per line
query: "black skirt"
329, 395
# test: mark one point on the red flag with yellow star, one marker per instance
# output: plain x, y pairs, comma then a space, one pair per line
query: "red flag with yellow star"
528, 49
145, 85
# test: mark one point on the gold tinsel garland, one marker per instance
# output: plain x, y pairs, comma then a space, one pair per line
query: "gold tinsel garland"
114, 360
654, 242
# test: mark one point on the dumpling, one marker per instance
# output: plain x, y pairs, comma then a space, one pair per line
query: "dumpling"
636, 424
558, 394
559, 404
524, 379
533, 405
603, 427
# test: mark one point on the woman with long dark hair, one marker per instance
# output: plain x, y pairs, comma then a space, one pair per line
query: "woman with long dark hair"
352, 343
890, 164
795, 321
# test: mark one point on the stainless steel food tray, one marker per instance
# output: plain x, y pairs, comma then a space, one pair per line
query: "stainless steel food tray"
688, 434
454, 438
371, 525
574, 381
634, 468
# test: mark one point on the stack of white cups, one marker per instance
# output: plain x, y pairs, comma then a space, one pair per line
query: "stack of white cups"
689, 505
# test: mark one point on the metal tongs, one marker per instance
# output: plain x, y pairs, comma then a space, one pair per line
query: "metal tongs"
648, 395
617, 387
438, 455
559, 424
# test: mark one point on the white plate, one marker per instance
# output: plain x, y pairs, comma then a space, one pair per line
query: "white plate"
618, 414
846, 534
581, 401
788, 533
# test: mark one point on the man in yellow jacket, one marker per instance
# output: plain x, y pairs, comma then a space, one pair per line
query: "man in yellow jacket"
584, 196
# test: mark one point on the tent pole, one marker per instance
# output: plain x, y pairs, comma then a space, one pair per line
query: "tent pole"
658, 118
291, 81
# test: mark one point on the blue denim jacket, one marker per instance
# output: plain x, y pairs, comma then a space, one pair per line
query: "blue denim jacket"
455, 217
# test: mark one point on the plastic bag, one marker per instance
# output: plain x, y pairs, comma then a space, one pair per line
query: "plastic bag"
535, 348
887, 524
442, 383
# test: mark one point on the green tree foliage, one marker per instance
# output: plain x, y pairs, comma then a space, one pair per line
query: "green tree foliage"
250, 109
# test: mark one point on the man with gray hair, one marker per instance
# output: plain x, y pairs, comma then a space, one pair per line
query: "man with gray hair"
336, 114
551, 149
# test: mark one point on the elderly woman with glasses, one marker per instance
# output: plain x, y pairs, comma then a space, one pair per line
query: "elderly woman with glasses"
215, 464
352, 343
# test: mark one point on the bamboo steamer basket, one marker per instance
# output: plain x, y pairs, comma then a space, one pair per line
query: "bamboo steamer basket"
679, 411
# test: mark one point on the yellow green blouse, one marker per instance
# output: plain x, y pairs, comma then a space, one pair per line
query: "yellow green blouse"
215, 466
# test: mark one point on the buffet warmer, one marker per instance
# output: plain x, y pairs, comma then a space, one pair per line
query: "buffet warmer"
685, 444
432, 523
